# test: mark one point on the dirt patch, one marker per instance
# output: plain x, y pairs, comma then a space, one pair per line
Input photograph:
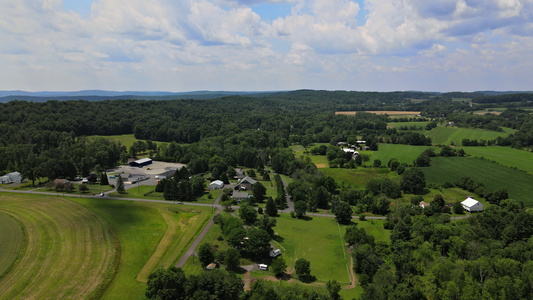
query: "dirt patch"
497, 113
321, 166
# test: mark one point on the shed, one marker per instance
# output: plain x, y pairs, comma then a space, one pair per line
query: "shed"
472, 205
424, 204
141, 162
216, 185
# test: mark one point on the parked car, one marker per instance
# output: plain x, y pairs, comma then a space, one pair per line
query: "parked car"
275, 253
263, 267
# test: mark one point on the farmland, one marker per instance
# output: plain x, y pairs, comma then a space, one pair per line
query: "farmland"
357, 177
506, 156
454, 135
404, 153
493, 176
70, 250
392, 113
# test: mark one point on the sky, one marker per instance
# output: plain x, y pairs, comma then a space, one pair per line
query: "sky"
266, 45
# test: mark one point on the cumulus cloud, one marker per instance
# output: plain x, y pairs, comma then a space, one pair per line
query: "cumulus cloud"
224, 44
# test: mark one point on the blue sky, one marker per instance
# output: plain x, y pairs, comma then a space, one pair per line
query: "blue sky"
186, 45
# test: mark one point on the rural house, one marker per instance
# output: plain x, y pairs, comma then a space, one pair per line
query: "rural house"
424, 204
239, 196
246, 183
472, 205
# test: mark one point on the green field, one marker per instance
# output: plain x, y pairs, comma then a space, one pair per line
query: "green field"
125, 139
141, 228
70, 252
506, 156
493, 176
454, 135
403, 153
358, 177
11, 241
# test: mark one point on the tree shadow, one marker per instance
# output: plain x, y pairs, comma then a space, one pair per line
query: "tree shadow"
278, 238
306, 218
238, 270
284, 277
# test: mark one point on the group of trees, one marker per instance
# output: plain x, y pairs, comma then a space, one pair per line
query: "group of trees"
485, 256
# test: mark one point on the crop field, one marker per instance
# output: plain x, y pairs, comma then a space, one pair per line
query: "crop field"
483, 112
493, 176
403, 153
454, 135
11, 241
150, 234
70, 251
506, 156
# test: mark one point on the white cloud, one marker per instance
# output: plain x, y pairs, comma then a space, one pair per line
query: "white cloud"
223, 44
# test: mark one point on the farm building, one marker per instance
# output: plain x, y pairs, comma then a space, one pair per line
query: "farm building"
352, 151
141, 162
217, 184
424, 204
13, 177
169, 172
472, 205
246, 183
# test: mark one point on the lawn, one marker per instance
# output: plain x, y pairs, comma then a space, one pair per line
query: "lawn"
492, 175
70, 252
11, 242
506, 156
417, 125
454, 135
145, 241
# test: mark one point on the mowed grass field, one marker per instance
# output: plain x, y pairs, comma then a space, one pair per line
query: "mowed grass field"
454, 135
403, 153
70, 251
493, 176
357, 177
11, 241
506, 156
150, 234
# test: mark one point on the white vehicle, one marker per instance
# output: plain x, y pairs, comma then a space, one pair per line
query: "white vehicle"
85, 180
263, 267
275, 253
102, 194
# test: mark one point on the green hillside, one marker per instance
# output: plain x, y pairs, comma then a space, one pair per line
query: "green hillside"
506, 156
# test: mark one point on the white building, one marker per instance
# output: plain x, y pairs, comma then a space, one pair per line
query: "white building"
352, 151
13, 177
215, 185
472, 205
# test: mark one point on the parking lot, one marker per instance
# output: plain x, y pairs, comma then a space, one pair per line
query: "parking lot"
136, 174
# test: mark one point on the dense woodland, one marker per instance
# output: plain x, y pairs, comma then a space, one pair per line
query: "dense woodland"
487, 256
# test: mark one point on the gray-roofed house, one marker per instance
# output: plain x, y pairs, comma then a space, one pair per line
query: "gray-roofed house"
245, 184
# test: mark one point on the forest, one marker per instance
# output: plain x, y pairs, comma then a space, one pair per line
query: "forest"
486, 256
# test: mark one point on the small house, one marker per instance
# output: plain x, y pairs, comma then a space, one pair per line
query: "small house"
239, 173
246, 183
472, 205
239, 196
216, 185
14, 177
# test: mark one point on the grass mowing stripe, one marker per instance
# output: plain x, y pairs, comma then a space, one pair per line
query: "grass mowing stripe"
343, 246
11, 242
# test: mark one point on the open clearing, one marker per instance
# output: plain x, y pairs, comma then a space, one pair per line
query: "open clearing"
357, 177
493, 176
403, 153
11, 241
125, 139
454, 135
70, 251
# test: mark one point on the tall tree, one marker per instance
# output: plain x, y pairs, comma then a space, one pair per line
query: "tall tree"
120, 185
232, 258
279, 266
259, 192
302, 268
413, 181
271, 208
206, 254
343, 213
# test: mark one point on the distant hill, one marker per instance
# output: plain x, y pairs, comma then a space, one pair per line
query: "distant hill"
99, 95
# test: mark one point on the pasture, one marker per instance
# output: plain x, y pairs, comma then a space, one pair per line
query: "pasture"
493, 176
454, 135
359, 177
506, 156
11, 242
70, 252
125, 139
